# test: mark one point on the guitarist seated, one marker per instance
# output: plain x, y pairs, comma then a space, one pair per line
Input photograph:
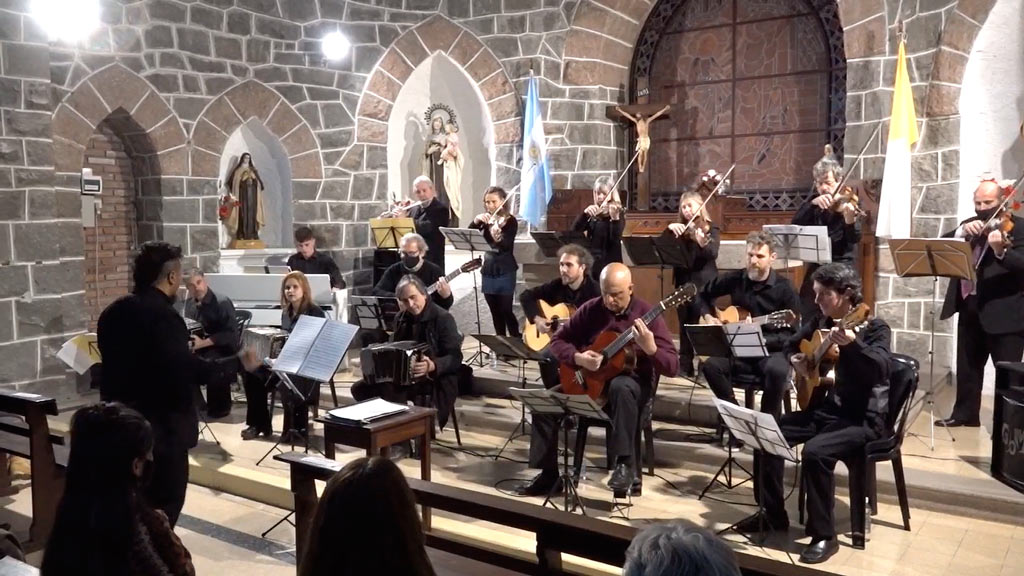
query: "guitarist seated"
574, 286
760, 291
836, 426
413, 252
617, 310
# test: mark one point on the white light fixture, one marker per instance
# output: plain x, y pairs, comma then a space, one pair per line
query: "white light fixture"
335, 46
67, 20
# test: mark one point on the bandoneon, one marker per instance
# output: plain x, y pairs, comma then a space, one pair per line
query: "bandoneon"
264, 340
194, 327
391, 362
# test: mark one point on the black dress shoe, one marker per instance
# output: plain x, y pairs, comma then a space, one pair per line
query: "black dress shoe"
250, 433
547, 482
957, 423
762, 523
621, 480
819, 550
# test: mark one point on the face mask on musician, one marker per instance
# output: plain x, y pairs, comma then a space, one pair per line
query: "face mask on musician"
987, 213
410, 261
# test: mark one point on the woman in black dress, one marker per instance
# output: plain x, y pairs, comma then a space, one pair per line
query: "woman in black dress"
499, 271
602, 223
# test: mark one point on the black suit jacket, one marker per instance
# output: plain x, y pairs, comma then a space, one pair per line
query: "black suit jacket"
436, 328
1000, 288
428, 221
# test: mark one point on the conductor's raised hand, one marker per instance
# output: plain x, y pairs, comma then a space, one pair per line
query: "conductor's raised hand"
645, 338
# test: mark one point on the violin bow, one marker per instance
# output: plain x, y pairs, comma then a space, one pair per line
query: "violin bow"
860, 156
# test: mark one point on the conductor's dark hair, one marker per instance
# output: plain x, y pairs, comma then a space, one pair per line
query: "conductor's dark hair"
366, 523
302, 234
675, 549
97, 516
410, 279
841, 278
583, 256
154, 260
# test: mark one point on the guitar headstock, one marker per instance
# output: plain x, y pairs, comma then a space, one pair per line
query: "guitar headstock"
781, 319
854, 318
473, 264
683, 295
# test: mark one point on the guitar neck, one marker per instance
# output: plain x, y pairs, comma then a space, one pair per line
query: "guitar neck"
628, 335
448, 278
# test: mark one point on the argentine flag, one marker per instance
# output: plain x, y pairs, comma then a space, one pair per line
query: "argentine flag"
535, 180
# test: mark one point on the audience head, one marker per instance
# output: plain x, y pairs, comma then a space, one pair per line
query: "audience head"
616, 287
111, 458
412, 294
414, 248
366, 523
761, 254
295, 293
158, 264
305, 243
837, 288
827, 172
196, 284
574, 261
674, 549
423, 189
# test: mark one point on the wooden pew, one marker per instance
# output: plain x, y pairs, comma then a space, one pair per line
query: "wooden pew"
556, 532
31, 438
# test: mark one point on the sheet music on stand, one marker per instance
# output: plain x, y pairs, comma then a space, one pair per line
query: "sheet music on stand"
756, 429
314, 349
373, 312
808, 244
547, 241
539, 401
508, 346
467, 239
581, 405
387, 232
942, 257
746, 340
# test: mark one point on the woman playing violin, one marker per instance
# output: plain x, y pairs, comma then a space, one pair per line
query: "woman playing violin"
602, 222
703, 237
499, 271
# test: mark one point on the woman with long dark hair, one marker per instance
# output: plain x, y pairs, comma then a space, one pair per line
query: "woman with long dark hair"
500, 267
103, 526
366, 523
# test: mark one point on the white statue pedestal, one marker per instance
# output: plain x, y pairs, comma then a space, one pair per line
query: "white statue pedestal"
237, 261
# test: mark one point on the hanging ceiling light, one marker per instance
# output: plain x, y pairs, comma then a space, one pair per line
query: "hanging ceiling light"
67, 20
335, 46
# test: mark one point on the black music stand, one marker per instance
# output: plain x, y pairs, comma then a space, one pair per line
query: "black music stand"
808, 244
573, 237
761, 432
515, 348
664, 251
373, 312
936, 257
472, 240
547, 241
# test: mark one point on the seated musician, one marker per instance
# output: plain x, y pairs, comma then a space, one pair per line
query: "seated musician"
308, 260
704, 237
837, 425
841, 220
423, 321
760, 291
617, 310
296, 300
414, 261
216, 314
574, 286
429, 217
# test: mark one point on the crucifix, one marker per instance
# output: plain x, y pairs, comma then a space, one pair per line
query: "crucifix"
641, 116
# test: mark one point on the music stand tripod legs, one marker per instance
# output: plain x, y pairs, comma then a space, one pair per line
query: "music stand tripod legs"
726, 470
571, 496
929, 394
292, 432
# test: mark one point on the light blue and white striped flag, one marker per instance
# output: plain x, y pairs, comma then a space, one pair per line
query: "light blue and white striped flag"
535, 180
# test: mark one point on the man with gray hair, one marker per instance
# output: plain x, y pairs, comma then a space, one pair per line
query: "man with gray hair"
216, 314
413, 251
602, 223
429, 216
675, 549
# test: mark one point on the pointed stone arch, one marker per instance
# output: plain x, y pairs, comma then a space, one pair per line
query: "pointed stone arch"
248, 100
147, 124
437, 34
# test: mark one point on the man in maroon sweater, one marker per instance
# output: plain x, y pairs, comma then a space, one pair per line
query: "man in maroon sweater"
626, 394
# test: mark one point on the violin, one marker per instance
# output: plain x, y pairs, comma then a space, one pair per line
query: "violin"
846, 197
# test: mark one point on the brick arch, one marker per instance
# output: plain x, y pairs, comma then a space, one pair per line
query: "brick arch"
602, 35
248, 100
133, 107
958, 35
437, 34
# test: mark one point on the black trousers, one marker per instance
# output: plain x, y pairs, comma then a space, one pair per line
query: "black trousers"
296, 410
687, 314
504, 318
827, 438
257, 406
625, 397
166, 490
774, 371
974, 347
218, 385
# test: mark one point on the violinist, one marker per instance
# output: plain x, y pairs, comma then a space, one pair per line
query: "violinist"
703, 237
836, 426
429, 214
835, 209
602, 222
992, 310
499, 271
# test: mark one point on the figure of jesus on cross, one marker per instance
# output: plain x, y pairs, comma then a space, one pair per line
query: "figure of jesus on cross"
643, 136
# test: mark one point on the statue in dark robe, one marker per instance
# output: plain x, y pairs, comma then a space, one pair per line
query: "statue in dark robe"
242, 209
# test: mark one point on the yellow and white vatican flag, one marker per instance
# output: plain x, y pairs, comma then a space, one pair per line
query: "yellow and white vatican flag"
894, 210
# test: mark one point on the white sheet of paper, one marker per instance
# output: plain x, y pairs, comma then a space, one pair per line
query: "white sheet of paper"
746, 340
327, 350
582, 405
756, 429
805, 243
303, 335
538, 401
321, 461
368, 411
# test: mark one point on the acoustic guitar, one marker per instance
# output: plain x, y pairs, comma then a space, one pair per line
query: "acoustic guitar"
823, 353
532, 336
465, 268
735, 314
618, 351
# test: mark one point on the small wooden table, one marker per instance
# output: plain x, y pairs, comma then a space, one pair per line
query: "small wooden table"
377, 437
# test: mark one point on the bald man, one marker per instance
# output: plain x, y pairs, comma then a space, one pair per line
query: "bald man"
992, 311
617, 310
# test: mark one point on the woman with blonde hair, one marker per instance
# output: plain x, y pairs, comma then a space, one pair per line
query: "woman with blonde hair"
602, 223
